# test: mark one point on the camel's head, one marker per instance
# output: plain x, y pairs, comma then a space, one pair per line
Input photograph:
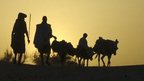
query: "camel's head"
90, 53
116, 47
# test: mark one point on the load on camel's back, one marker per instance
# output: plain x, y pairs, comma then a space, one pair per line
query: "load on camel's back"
62, 48
105, 48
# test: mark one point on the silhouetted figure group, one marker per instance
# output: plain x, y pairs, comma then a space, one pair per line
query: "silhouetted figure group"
42, 38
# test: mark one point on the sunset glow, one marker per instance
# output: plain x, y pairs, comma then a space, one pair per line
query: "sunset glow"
110, 19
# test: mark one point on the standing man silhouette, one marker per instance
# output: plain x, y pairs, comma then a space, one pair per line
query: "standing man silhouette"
42, 39
18, 37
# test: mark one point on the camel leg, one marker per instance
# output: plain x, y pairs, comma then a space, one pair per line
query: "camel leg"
47, 60
83, 62
75, 59
102, 58
79, 61
109, 62
98, 60
63, 58
87, 62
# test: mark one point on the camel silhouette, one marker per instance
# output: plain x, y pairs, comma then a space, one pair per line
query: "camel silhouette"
62, 48
105, 48
84, 56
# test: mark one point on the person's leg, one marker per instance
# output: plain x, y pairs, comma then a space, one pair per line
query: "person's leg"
40, 50
48, 49
15, 57
42, 59
20, 57
47, 58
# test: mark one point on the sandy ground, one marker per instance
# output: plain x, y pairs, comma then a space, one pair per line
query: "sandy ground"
11, 72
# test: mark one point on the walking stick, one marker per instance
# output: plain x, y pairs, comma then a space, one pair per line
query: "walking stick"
29, 24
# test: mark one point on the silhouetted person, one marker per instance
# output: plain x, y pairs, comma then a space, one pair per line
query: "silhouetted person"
18, 38
83, 46
42, 39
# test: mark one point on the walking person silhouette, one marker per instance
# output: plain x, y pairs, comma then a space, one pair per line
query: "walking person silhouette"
18, 37
42, 39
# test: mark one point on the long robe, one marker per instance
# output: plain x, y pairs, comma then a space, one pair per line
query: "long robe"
42, 37
18, 38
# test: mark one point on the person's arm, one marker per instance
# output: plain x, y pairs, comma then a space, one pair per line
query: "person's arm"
27, 37
52, 34
54, 37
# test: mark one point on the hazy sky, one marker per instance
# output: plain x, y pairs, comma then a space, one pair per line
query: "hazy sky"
111, 19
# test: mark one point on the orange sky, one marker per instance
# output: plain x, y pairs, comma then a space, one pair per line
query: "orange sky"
111, 19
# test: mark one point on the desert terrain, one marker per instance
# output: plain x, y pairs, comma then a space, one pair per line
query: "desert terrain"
11, 72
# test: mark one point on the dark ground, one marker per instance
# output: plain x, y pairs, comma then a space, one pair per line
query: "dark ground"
11, 72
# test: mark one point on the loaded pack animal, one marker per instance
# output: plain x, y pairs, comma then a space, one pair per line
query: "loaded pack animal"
82, 56
83, 51
105, 48
62, 48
